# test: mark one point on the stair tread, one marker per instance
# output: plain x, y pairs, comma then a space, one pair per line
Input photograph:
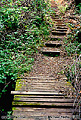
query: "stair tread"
42, 115
38, 109
54, 42
60, 29
45, 90
38, 96
42, 77
46, 49
57, 36
42, 103
56, 100
53, 88
46, 82
34, 93
57, 31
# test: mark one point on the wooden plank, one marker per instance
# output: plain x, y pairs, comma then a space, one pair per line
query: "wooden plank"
38, 77
34, 93
50, 100
53, 43
21, 103
58, 33
57, 37
37, 96
47, 81
41, 77
46, 110
57, 29
44, 90
34, 114
50, 50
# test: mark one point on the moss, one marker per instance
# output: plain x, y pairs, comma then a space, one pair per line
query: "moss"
19, 84
53, 105
14, 108
24, 103
68, 83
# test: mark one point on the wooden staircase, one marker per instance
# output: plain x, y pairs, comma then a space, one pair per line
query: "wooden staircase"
45, 98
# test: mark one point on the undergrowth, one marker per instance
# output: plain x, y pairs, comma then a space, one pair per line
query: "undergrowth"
74, 37
73, 44
23, 27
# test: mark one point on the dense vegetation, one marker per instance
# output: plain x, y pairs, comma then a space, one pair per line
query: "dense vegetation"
73, 43
23, 26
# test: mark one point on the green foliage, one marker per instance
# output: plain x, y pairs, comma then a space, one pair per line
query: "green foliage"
78, 8
74, 39
71, 48
63, 8
23, 26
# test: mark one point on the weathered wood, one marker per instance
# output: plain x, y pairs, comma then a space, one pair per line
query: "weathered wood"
42, 103
34, 93
41, 77
37, 96
53, 43
58, 33
40, 82
51, 100
50, 49
56, 37
50, 52
61, 30
59, 24
45, 110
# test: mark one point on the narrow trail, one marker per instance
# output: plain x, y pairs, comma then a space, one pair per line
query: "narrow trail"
43, 92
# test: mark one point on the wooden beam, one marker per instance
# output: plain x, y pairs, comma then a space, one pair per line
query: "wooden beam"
34, 93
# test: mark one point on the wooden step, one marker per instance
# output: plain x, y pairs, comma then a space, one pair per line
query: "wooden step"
48, 90
41, 89
56, 37
46, 82
50, 51
39, 115
35, 93
58, 33
60, 30
45, 110
53, 43
37, 96
49, 100
62, 25
58, 22
40, 83
40, 103
59, 90
42, 77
